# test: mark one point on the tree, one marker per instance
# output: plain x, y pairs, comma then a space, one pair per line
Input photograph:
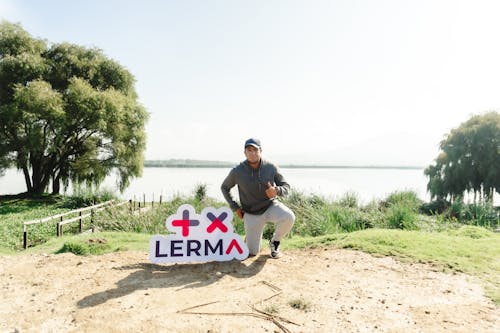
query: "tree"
469, 160
67, 113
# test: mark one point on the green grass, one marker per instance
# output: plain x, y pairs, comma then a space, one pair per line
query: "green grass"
16, 210
94, 243
472, 250
300, 304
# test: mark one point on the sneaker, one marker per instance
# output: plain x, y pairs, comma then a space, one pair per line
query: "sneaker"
275, 253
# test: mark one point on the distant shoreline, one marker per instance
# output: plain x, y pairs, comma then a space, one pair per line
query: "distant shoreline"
220, 164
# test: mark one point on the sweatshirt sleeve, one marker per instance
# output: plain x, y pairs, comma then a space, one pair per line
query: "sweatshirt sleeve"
283, 186
226, 187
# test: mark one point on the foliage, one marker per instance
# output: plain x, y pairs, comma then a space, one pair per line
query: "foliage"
14, 210
84, 196
67, 113
401, 208
401, 217
315, 215
150, 218
200, 192
272, 309
469, 160
350, 200
407, 198
90, 246
481, 214
299, 304
434, 207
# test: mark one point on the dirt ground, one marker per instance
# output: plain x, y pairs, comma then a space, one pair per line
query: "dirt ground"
320, 290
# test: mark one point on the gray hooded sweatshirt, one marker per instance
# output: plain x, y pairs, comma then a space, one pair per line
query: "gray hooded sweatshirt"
252, 185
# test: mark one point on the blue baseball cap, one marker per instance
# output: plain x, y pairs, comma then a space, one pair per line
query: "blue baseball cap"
253, 142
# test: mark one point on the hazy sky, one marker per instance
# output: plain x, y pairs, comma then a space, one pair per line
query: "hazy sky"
331, 82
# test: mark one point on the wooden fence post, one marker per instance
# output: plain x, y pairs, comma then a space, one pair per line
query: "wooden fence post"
59, 227
81, 223
25, 237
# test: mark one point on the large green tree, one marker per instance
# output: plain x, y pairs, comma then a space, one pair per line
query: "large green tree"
469, 161
67, 113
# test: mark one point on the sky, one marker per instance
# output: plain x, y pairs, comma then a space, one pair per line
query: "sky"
351, 82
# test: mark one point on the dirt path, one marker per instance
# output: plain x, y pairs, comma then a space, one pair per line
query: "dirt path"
339, 291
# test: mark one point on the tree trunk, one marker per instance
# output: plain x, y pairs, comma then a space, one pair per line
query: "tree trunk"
36, 176
40, 186
56, 184
27, 179
40, 179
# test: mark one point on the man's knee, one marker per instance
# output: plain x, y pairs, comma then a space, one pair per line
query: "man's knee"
290, 216
253, 246
285, 213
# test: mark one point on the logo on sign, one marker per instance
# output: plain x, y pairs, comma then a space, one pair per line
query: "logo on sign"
198, 238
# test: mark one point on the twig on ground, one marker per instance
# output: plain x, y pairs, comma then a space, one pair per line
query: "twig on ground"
272, 286
274, 316
260, 314
194, 307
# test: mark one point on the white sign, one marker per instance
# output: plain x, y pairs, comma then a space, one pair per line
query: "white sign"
198, 238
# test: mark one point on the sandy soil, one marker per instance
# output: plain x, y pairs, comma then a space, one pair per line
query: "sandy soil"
333, 291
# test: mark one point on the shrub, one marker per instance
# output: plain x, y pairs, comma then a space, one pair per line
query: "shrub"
83, 197
406, 198
316, 216
455, 210
400, 209
434, 207
153, 219
349, 199
300, 304
121, 219
400, 216
482, 214
268, 231
91, 246
200, 192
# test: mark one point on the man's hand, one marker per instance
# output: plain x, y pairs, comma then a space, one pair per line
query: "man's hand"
240, 213
271, 191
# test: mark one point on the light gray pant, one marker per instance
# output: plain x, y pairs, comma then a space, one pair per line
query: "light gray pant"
277, 213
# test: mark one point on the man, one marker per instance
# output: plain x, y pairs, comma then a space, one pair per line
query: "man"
259, 184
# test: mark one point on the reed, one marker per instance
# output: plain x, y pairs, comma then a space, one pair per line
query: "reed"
315, 215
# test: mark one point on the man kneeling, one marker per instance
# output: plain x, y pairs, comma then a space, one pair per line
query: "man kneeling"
259, 184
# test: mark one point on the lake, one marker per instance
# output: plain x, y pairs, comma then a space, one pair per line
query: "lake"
332, 183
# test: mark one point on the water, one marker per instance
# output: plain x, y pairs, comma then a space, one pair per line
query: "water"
368, 184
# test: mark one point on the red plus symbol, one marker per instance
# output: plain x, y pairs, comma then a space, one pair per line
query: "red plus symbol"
185, 223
